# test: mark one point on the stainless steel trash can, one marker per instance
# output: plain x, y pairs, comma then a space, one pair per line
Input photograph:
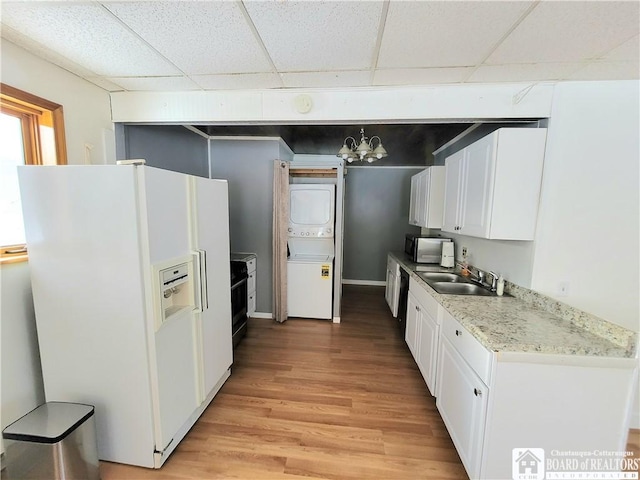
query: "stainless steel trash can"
56, 440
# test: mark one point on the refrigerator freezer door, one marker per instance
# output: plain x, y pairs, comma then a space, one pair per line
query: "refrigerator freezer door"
174, 352
167, 205
82, 229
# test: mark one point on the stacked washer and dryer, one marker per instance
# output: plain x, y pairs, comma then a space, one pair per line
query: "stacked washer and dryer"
311, 250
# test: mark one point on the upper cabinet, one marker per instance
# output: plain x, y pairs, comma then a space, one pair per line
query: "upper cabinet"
492, 187
427, 198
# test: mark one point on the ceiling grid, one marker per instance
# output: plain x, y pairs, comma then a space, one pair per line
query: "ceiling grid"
151, 45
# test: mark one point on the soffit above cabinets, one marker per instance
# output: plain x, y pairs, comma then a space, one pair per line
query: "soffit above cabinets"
407, 144
220, 45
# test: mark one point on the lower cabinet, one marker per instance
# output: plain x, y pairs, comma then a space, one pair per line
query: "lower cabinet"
428, 352
411, 332
392, 286
422, 332
497, 403
462, 399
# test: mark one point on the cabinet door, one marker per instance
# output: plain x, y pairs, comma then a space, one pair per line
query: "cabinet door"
389, 293
428, 348
462, 402
453, 191
478, 187
422, 207
411, 334
413, 201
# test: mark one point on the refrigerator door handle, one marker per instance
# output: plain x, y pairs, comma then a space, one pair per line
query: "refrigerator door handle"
201, 291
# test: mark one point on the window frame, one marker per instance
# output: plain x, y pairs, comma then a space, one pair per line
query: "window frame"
31, 110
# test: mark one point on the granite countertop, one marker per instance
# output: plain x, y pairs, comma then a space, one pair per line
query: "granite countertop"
529, 322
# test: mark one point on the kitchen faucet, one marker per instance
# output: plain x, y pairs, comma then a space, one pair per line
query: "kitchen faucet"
481, 276
494, 280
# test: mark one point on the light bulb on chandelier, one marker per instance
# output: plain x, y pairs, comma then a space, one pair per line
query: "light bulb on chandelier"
351, 150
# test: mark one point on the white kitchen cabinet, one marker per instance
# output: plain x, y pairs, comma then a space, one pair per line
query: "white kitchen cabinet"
453, 191
462, 401
392, 288
428, 348
423, 314
411, 331
481, 396
413, 200
427, 198
492, 186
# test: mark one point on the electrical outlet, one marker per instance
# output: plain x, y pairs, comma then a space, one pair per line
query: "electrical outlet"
563, 289
464, 252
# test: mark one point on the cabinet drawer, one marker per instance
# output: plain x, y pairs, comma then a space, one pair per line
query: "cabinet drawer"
477, 356
251, 282
251, 265
429, 303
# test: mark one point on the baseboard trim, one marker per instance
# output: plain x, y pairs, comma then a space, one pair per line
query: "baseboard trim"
373, 283
262, 315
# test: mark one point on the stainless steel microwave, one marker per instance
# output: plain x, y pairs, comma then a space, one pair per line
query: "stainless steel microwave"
424, 249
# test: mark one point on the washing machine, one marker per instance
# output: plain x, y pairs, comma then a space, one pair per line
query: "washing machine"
311, 250
310, 278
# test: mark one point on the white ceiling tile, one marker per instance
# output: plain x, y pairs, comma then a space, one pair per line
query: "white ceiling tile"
523, 72
241, 81
607, 71
444, 34
421, 76
358, 78
199, 37
86, 34
43, 52
155, 84
569, 32
317, 36
628, 51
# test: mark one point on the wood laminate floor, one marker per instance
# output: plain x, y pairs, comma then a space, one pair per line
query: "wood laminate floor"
311, 399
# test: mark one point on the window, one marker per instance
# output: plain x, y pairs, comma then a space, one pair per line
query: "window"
32, 132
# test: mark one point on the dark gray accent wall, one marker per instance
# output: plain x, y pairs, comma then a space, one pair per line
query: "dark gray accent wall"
376, 219
167, 146
248, 167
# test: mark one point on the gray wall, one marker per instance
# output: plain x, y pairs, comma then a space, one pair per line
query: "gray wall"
376, 219
166, 146
248, 166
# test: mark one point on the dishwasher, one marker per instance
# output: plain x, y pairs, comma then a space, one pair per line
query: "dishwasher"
402, 301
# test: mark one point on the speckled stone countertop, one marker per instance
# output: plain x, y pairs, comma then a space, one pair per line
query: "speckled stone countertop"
530, 322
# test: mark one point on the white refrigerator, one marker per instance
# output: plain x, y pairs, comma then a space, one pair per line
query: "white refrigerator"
130, 276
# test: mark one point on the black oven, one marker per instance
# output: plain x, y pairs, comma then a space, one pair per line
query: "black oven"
239, 278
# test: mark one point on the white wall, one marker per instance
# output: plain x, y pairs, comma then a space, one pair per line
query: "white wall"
588, 229
87, 108
87, 117
511, 259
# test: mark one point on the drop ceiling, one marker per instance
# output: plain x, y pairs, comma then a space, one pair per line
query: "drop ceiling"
275, 44
213, 45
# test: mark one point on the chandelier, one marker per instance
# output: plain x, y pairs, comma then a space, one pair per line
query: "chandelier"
351, 150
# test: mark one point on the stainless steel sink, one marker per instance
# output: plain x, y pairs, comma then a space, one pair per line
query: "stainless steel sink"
461, 288
441, 277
